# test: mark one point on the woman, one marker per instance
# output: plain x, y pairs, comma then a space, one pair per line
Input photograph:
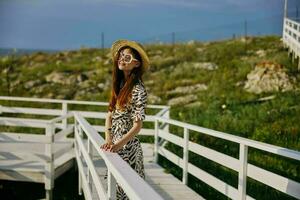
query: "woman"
126, 110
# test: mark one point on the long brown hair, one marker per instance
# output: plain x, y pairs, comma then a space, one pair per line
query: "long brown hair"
120, 96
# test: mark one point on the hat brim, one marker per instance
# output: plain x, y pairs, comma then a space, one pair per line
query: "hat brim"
117, 45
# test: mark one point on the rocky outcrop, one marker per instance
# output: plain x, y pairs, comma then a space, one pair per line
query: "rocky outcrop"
200, 65
268, 77
188, 89
182, 100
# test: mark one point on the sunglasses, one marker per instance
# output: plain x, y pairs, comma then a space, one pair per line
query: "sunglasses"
126, 57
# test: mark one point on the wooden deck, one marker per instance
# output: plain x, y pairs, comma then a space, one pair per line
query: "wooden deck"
168, 186
14, 166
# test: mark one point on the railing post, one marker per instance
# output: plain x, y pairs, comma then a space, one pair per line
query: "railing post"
243, 172
64, 112
49, 166
111, 181
90, 152
79, 154
167, 115
185, 156
156, 141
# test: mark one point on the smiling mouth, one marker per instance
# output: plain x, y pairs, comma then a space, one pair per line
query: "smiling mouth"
121, 63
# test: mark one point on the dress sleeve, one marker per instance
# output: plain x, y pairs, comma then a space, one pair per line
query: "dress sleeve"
139, 99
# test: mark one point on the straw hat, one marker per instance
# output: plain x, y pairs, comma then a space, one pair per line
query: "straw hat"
118, 44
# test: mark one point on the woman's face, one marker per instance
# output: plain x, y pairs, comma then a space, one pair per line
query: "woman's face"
123, 56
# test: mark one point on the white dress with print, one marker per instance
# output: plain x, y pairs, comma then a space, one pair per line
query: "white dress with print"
122, 122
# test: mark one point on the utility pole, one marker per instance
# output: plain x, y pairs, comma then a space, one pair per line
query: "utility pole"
173, 43
245, 35
173, 38
285, 8
102, 40
102, 44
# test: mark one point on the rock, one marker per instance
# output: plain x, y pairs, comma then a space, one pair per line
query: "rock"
30, 84
182, 100
260, 53
205, 65
61, 78
197, 65
186, 81
97, 59
200, 49
268, 77
81, 77
152, 99
105, 85
188, 89
194, 104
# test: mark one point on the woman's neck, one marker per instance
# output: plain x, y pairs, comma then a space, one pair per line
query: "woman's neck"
126, 75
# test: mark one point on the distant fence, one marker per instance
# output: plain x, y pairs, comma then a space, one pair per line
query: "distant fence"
240, 165
291, 38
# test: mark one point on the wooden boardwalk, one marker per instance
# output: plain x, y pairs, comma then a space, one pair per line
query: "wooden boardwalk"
15, 167
168, 186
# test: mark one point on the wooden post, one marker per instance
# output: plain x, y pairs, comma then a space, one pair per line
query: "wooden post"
90, 152
64, 112
156, 141
166, 127
79, 154
167, 115
185, 156
49, 166
111, 181
243, 172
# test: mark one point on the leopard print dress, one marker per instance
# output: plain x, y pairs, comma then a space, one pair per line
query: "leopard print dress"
122, 121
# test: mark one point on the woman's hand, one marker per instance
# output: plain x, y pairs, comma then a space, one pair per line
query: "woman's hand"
115, 147
107, 145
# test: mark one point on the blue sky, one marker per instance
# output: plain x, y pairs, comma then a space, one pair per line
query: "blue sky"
70, 24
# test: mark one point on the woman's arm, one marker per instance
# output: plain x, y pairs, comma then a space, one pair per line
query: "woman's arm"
137, 125
108, 138
131, 133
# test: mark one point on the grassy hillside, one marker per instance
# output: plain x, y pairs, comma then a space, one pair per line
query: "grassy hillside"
206, 80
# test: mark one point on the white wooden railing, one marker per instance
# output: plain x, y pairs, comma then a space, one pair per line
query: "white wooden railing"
240, 165
291, 35
119, 170
161, 131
